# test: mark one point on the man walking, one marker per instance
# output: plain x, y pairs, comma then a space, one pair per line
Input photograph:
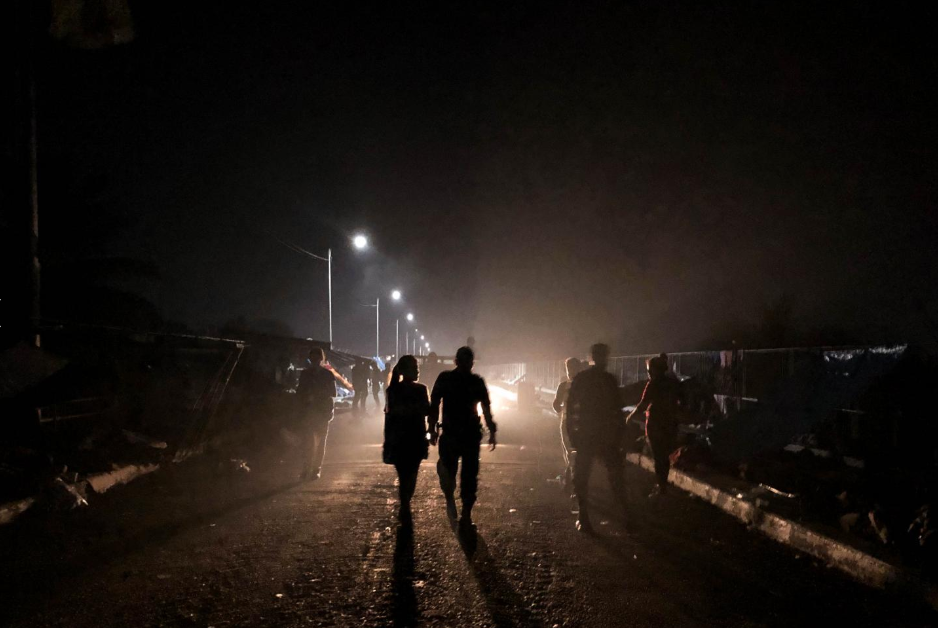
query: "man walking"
361, 374
316, 391
560, 407
594, 424
460, 392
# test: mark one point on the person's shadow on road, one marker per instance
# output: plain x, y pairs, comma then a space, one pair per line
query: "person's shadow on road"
507, 607
404, 610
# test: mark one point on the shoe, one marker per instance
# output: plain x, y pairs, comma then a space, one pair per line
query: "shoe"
584, 525
451, 508
466, 525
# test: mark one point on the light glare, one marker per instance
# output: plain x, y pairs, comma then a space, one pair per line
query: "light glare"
360, 242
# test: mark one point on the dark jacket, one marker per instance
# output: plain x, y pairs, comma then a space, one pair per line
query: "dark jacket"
593, 404
316, 390
460, 393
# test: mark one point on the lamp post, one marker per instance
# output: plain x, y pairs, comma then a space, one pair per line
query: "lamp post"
359, 241
396, 295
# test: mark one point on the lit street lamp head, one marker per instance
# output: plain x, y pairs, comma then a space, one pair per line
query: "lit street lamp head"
410, 317
396, 295
360, 242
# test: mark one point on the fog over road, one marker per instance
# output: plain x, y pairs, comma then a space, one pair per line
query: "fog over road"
196, 545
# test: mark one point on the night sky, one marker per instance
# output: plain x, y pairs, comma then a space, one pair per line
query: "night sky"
540, 176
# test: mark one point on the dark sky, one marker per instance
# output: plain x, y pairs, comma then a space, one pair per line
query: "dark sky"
540, 175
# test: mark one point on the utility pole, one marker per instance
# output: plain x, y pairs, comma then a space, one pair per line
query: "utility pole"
329, 262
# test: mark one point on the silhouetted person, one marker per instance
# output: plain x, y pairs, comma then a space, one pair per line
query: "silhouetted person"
360, 376
573, 366
316, 391
460, 392
660, 403
374, 374
405, 428
432, 367
594, 423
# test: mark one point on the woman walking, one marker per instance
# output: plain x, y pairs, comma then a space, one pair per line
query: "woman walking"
405, 428
661, 405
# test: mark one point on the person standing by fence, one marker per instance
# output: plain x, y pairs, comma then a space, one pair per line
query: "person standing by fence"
661, 404
405, 429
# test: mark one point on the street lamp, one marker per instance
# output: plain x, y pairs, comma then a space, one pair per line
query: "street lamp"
410, 317
359, 241
377, 307
396, 295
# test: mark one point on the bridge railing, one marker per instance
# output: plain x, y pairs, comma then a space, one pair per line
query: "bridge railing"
735, 377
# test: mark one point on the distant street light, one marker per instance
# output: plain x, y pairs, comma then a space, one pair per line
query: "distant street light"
360, 242
396, 295
410, 317
422, 338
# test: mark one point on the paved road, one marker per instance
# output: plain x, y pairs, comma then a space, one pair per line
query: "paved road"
201, 545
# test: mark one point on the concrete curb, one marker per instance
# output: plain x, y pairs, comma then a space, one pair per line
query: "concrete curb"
11, 510
101, 482
852, 561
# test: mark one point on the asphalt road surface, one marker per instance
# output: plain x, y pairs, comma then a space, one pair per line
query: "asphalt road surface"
204, 544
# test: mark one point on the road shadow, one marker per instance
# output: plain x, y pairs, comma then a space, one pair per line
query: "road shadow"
72, 551
507, 607
404, 611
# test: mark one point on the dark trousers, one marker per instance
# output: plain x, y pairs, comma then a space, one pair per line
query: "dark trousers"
451, 450
316, 434
607, 450
407, 478
662, 437
361, 395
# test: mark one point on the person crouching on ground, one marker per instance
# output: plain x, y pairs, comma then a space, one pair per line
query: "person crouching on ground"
407, 404
660, 403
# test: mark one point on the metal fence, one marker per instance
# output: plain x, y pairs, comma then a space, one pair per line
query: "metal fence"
742, 374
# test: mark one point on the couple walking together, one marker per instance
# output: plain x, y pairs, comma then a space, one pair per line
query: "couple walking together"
412, 424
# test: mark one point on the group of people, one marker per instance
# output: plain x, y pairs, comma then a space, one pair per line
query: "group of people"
415, 419
447, 417
365, 372
592, 426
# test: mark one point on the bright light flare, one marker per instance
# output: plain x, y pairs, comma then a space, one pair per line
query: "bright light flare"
396, 295
360, 242
410, 317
